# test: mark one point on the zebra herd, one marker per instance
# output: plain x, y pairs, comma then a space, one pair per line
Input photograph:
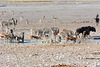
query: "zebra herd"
54, 35
49, 35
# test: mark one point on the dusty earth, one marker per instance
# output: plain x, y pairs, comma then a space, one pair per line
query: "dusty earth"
71, 15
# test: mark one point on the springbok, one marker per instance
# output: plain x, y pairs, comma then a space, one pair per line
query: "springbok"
11, 12
74, 38
21, 19
27, 21
3, 35
35, 37
55, 18
42, 19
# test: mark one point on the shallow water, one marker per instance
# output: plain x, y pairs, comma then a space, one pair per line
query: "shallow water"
39, 42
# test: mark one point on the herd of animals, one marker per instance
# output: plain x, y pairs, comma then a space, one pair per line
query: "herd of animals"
55, 36
49, 35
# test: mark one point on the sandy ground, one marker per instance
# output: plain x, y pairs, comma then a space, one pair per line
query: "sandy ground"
70, 16
79, 55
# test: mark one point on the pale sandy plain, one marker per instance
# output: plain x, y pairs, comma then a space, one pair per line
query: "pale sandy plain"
69, 15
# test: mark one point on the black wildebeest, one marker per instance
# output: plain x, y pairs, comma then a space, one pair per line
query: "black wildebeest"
86, 30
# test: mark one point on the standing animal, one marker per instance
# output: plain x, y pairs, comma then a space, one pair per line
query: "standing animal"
66, 33
9, 23
20, 39
97, 19
43, 17
3, 35
39, 32
47, 32
36, 37
55, 32
55, 18
82, 29
87, 32
74, 38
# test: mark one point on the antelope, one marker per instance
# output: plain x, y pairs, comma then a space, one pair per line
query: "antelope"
21, 19
74, 38
43, 17
40, 20
55, 18
11, 12
3, 36
27, 21
36, 37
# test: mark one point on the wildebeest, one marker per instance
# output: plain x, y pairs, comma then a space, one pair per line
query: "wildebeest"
85, 30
